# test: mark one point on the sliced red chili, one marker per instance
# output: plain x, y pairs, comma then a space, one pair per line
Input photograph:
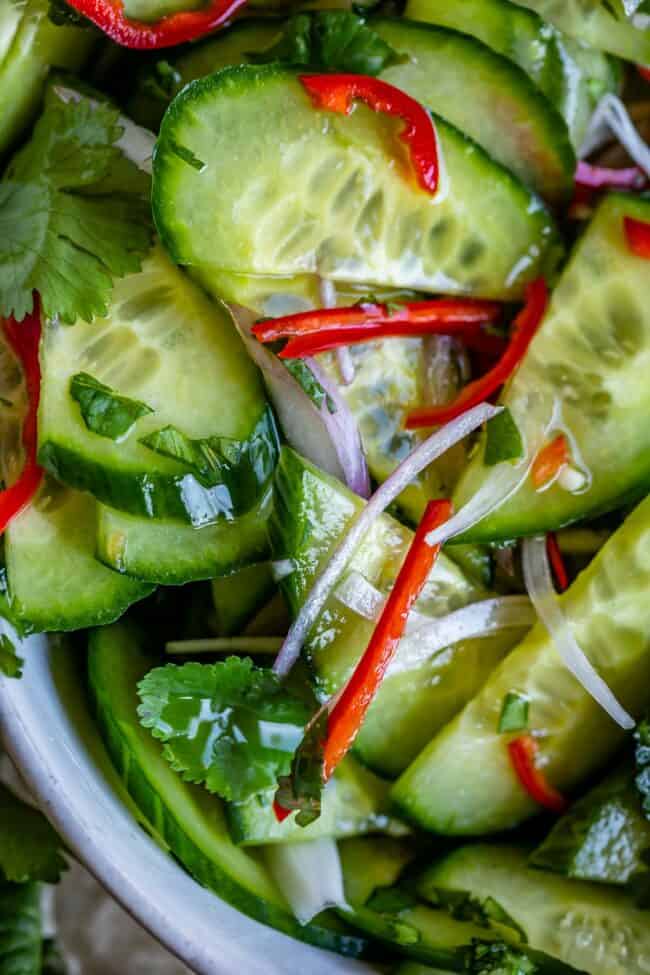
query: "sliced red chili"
186, 25
351, 705
549, 461
637, 233
523, 753
337, 92
644, 72
24, 338
524, 328
280, 812
557, 562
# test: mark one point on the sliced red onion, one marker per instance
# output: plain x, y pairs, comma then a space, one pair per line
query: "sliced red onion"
329, 440
426, 636
309, 874
601, 177
431, 448
539, 583
345, 364
231, 644
611, 115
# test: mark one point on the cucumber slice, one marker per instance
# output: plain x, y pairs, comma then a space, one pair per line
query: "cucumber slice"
354, 803
584, 375
190, 820
603, 838
572, 75
165, 344
596, 930
30, 44
54, 580
152, 10
602, 23
172, 554
463, 782
238, 597
319, 193
312, 512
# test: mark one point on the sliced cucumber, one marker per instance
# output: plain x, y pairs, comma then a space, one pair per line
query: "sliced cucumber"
604, 24
312, 512
151, 10
354, 803
583, 375
603, 838
238, 597
190, 820
596, 930
54, 580
168, 346
30, 44
316, 192
463, 782
172, 554
572, 75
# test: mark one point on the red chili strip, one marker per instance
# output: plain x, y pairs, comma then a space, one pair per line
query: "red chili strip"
557, 562
280, 812
549, 461
187, 25
637, 233
24, 338
523, 753
524, 328
351, 705
337, 92
644, 72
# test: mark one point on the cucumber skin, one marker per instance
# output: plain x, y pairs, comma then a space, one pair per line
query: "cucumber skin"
204, 871
596, 27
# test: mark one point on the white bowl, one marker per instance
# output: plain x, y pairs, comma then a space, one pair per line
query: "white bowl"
51, 737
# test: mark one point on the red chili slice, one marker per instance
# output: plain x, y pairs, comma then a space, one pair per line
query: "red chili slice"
557, 562
550, 461
523, 752
637, 233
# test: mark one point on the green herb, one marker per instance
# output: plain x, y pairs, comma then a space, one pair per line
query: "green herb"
302, 788
20, 929
104, 411
29, 847
53, 961
74, 214
229, 725
514, 713
163, 82
334, 40
485, 912
496, 958
63, 15
307, 381
642, 758
11, 665
503, 440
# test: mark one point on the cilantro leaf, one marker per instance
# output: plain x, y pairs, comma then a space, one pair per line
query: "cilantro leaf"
514, 712
302, 789
104, 411
20, 929
496, 958
307, 381
503, 440
230, 725
11, 665
29, 847
334, 40
67, 226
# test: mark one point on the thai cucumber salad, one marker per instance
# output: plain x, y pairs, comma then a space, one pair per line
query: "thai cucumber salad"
325, 452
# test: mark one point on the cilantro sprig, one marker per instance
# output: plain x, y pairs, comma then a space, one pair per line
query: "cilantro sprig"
105, 412
74, 213
29, 848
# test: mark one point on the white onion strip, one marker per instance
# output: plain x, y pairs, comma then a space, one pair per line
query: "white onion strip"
421, 457
611, 114
309, 874
539, 583
426, 636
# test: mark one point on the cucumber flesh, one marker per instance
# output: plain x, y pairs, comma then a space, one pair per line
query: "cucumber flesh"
590, 927
239, 596
603, 838
166, 344
601, 23
171, 554
54, 581
152, 10
312, 512
572, 75
584, 375
463, 783
354, 803
318, 193
190, 820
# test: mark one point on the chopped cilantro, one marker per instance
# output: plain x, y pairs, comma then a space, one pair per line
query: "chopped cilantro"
496, 958
230, 725
503, 440
302, 789
11, 665
74, 214
307, 381
104, 411
20, 929
29, 847
514, 712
